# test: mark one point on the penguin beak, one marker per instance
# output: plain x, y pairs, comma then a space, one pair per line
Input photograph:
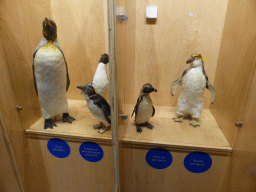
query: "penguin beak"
47, 22
80, 87
189, 60
155, 90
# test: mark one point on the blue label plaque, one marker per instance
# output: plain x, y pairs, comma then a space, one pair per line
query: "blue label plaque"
91, 151
198, 162
58, 148
159, 158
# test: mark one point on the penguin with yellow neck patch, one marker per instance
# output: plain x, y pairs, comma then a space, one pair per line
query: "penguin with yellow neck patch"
193, 81
144, 108
51, 79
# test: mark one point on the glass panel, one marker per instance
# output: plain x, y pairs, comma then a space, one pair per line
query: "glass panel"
48, 156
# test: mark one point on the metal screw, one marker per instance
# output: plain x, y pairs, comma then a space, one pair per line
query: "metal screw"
123, 116
239, 124
122, 17
19, 108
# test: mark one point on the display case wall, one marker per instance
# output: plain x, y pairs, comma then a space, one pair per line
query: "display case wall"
82, 31
237, 69
8, 177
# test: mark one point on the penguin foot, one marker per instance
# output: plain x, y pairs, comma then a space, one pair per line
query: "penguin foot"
195, 123
148, 125
138, 129
102, 130
48, 123
178, 119
98, 126
67, 118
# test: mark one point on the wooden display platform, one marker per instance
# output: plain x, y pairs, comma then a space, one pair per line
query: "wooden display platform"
80, 129
166, 133
177, 136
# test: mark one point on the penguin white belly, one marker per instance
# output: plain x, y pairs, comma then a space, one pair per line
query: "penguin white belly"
96, 112
51, 80
190, 101
100, 80
145, 110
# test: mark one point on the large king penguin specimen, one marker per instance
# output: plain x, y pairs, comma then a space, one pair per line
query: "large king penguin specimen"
100, 80
193, 81
98, 106
144, 108
51, 78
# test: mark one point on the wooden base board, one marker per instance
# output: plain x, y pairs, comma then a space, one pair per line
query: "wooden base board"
182, 136
137, 175
81, 128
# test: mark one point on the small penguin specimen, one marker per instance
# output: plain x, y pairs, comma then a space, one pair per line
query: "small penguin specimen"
51, 79
98, 106
144, 108
100, 80
193, 81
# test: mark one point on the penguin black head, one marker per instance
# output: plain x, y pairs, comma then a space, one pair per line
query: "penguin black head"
87, 89
104, 58
49, 30
195, 60
148, 88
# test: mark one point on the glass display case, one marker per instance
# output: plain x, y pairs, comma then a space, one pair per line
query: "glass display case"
147, 42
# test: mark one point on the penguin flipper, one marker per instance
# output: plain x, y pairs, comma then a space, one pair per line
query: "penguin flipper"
56, 43
174, 86
106, 112
33, 68
153, 113
211, 88
135, 110
103, 104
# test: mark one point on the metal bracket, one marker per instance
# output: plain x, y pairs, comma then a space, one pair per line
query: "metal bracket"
123, 116
122, 17
19, 108
239, 124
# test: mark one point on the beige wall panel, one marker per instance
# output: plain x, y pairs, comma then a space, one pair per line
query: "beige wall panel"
21, 72
139, 176
125, 58
242, 166
74, 173
120, 57
8, 181
82, 30
126, 51
157, 51
236, 60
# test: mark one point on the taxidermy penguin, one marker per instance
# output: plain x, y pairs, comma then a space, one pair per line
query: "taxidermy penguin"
51, 78
98, 106
193, 81
100, 80
144, 108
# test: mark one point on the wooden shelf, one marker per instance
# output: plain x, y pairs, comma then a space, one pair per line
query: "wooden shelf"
80, 129
166, 133
181, 136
